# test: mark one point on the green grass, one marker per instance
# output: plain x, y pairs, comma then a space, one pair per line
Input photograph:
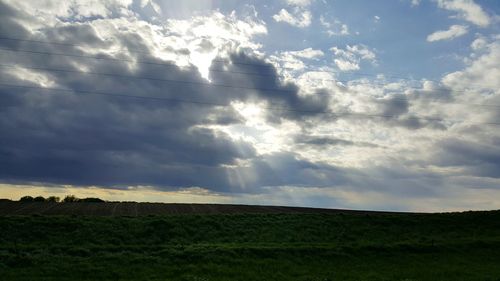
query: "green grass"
456, 246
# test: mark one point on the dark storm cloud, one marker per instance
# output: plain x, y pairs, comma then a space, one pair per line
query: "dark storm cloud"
79, 138
9, 21
282, 169
285, 100
412, 122
287, 169
475, 158
396, 105
395, 111
86, 35
329, 141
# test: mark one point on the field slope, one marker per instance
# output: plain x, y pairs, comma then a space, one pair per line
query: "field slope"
145, 209
291, 244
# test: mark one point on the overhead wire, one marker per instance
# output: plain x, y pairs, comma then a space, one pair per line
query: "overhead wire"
337, 115
209, 84
168, 64
268, 65
231, 71
393, 98
129, 50
149, 78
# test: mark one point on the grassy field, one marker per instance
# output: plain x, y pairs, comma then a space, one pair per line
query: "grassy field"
314, 246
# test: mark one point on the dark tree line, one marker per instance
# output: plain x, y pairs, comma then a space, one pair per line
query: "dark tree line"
67, 199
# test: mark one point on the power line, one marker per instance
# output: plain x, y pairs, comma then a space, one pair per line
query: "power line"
440, 101
145, 97
337, 115
149, 53
215, 60
171, 64
130, 50
220, 71
39, 41
218, 84
108, 94
151, 78
168, 64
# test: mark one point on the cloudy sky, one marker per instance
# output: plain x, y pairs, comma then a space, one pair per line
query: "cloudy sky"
379, 105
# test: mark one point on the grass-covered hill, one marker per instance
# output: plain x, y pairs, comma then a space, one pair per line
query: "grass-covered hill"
252, 246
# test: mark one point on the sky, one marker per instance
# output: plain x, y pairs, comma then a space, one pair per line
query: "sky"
374, 105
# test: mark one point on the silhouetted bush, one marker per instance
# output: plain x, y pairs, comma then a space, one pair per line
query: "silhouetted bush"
91, 199
53, 199
26, 199
70, 198
39, 199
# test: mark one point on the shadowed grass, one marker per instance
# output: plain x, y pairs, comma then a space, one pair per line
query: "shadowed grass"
455, 246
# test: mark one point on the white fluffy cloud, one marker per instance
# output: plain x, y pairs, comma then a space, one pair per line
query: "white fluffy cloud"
294, 60
216, 35
478, 43
334, 27
48, 10
349, 58
308, 53
467, 10
301, 3
453, 32
298, 17
482, 71
346, 65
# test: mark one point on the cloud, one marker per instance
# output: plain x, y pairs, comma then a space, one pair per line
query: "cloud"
151, 3
327, 141
205, 37
334, 28
453, 32
349, 58
81, 139
301, 3
470, 157
482, 70
467, 10
479, 44
308, 53
299, 18
294, 60
415, 3
346, 65
74, 9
